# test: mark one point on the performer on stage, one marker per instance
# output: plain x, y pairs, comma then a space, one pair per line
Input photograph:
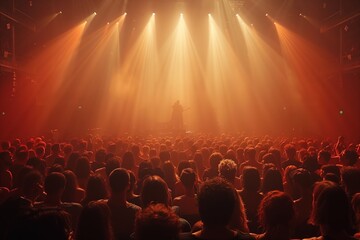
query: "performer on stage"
177, 122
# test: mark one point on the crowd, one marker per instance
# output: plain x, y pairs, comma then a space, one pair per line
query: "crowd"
191, 187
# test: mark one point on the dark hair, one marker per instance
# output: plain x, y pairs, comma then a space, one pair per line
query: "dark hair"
188, 177
71, 186
95, 189
216, 199
157, 221
94, 222
119, 180
112, 164
276, 209
154, 190
332, 208
251, 179
128, 161
82, 169
54, 182
272, 181
215, 159
182, 165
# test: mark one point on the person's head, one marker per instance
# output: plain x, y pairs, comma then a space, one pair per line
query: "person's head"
290, 151
119, 181
68, 148
182, 165
276, 209
46, 224
157, 221
128, 161
94, 222
55, 148
40, 151
331, 207
302, 180
72, 161
227, 169
349, 157
188, 178
215, 159
70, 187
31, 184
250, 154
310, 163
5, 160
112, 164
324, 156
330, 168
95, 188
82, 169
100, 155
350, 177
216, 200
251, 179
55, 184
154, 190
272, 181
164, 156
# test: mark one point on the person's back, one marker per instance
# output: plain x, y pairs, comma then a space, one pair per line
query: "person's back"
122, 212
54, 187
251, 196
332, 212
187, 203
217, 202
250, 160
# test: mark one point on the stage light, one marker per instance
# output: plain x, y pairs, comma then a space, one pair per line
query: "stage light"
107, 23
3, 113
237, 14
341, 112
153, 14
80, 107
209, 14
267, 15
181, 15
85, 21
94, 13
60, 12
125, 13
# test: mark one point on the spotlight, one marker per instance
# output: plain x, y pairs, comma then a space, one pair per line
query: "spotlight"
209, 14
181, 15
125, 13
85, 22
237, 14
274, 23
153, 14
300, 15
267, 15
94, 13
117, 23
341, 112
3, 113
107, 23
60, 12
